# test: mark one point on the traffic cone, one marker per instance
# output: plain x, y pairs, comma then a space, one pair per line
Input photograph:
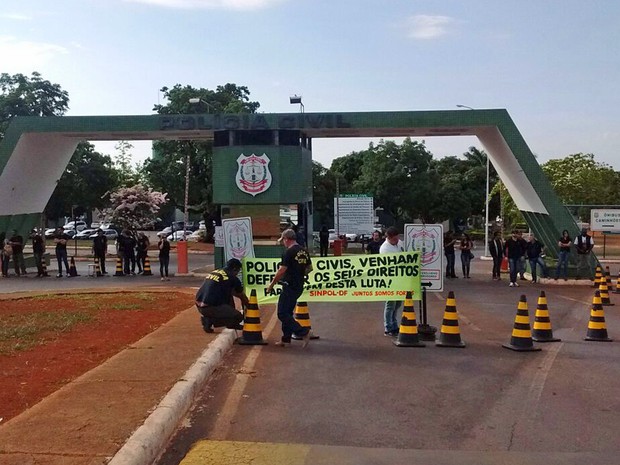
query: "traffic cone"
450, 335
604, 293
598, 275
408, 332
119, 267
72, 269
610, 285
44, 268
597, 330
542, 331
504, 266
252, 331
302, 316
617, 291
521, 339
147, 267
97, 267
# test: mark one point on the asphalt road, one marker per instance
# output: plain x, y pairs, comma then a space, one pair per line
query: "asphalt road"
354, 397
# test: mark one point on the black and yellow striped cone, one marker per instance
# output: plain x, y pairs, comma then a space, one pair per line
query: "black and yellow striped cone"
598, 276
610, 285
119, 267
542, 332
450, 335
617, 291
302, 316
408, 332
72, 269
147, 267
97, 267
521, 339
603, 290
597, 330
252, 333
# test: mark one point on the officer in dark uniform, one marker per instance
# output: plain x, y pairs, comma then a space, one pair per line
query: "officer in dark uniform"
214, 299
291, 274
100, 249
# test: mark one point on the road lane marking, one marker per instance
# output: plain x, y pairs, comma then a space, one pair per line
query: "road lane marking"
231, 405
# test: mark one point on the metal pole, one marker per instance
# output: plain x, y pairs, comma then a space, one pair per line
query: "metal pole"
338, 208
186, 213
486, 214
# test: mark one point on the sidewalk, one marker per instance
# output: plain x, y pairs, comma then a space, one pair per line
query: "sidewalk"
89, 420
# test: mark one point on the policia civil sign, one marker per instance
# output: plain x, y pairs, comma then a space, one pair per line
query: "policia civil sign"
345, 279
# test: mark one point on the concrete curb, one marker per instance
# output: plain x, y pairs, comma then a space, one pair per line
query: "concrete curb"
148, 442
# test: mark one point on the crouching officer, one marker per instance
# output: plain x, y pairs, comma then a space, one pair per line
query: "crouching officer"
214, 299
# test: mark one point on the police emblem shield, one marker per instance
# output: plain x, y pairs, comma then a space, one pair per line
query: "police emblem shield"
253, 175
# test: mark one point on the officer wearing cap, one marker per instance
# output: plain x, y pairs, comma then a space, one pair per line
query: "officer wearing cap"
214, 299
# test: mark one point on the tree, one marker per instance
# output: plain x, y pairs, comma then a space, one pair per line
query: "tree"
89, 177
127, 173
135, 207
579, 180
400, 179
29, 96
166, 169
323, 193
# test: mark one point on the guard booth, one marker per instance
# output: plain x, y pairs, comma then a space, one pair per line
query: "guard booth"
257, 171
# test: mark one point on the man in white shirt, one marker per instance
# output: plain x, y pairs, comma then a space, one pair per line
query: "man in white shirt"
584, 244
392, 244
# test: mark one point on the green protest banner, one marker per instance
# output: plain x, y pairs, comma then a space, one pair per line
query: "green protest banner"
354, 278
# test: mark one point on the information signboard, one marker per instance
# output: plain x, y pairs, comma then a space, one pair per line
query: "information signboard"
354, 213
606, 220
428, 239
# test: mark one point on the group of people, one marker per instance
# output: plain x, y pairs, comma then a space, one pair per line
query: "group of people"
465, 245
517, 250
215, 303
132, 250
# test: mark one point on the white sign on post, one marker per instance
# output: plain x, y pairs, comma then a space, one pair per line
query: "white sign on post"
428, 239
605, 220
354, 213
237, 234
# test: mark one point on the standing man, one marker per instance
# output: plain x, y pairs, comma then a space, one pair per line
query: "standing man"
375, 243
448, 250
17, 243
61, 240
584, 244
214, 299
323, 241
513, 250
38, 249
127, 245
496, 248
291, 274
535, 253
100, 249
392, 244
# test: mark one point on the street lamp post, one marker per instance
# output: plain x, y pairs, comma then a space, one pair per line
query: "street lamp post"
296, 99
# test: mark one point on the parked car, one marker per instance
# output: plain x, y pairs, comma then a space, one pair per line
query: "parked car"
178, 236
85, 234
109, 233
75, 225
50, 232
198, 235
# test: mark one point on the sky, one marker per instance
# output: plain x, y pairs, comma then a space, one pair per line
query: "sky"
553, 64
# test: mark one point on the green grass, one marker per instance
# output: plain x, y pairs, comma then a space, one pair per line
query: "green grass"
20, 332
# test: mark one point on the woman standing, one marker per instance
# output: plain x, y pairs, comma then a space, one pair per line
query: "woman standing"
564, 244
466, 254
164, 257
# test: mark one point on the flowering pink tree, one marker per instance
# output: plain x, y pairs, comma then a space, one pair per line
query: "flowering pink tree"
135, 207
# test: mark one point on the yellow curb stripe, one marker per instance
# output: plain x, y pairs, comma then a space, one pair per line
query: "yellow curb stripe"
245, 453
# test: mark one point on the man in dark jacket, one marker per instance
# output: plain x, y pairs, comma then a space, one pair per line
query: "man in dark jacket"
38, 249
100, 249
214, 299
496, 249
514, 251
